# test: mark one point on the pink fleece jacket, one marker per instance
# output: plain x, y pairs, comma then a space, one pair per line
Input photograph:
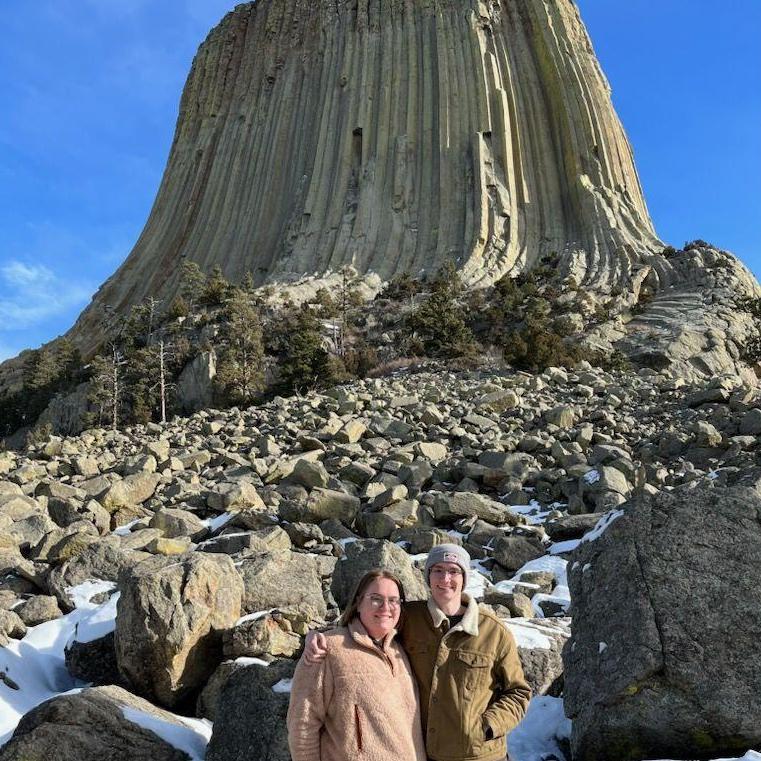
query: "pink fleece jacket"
360, 702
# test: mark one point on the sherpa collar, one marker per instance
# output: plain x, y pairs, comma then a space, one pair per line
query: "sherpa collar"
469, 623
360, 636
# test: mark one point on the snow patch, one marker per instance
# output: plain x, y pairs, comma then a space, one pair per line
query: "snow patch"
126, 529
96, 623
245, 660
477, 584
36, 663
560, 548
591, 477
253, 616
191, 736
82, 594
538, 735
528, 634
532, 512
218, 521
601, 526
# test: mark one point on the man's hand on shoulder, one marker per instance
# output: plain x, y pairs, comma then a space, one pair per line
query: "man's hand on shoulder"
315, 648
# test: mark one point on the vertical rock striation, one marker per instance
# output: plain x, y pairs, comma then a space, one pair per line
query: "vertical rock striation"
391, 135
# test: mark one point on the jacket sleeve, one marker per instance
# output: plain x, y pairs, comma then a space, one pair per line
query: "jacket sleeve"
512, 694
311, 692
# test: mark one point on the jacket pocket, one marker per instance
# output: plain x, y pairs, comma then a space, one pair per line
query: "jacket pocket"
474, 669
358, 727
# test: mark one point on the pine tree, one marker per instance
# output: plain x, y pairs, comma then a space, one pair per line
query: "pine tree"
41, 370
306, 364
240, 372
216, 288
438, 324
248, 285
192, 284
69, 362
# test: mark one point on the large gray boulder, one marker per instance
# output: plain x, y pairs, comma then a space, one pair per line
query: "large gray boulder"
663, 660
94, 661
250, 715
169, 622
208, 698
323, 504
104, 560
450, 507
91, 726
282, 579
362, 556
132, 490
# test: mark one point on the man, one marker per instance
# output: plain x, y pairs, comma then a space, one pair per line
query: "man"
472, 688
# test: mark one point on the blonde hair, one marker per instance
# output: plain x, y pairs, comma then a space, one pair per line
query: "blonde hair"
352, 611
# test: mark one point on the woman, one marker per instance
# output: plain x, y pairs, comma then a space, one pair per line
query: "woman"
361, 700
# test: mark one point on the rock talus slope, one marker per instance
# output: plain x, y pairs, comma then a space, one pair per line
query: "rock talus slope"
393, 136
261, 519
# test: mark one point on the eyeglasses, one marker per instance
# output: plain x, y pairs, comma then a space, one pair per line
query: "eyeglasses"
442, 573
377, 601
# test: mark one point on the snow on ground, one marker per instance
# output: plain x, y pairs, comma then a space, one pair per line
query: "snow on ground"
560, 594
605, 521
126, 529
35, 664
477, 581
537, 735
253, 616
35, 670
95, 623
529, 634
532, 512
246, 660
192, 737
591, 476
216, 523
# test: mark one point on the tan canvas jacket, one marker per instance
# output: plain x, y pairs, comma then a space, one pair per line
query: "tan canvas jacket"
469, 678
360, 702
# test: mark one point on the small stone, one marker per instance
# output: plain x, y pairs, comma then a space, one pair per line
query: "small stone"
309, 474
562, 416
513, 552
38, 610
268, 635
164, 546
234, 495
431, 451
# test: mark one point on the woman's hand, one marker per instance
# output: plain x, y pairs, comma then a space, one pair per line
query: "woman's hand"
315, 648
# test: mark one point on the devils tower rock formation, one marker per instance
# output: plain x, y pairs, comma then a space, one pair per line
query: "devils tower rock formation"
397, 135
391, 135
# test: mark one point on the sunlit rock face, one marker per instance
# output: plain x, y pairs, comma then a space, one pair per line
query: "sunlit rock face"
391, 135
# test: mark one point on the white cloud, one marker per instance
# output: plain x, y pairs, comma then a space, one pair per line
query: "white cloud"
18, 274
33, 293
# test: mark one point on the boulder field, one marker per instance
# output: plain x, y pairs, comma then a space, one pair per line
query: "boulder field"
613, 517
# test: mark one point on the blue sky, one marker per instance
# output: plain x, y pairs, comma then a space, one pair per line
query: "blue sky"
89, 91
